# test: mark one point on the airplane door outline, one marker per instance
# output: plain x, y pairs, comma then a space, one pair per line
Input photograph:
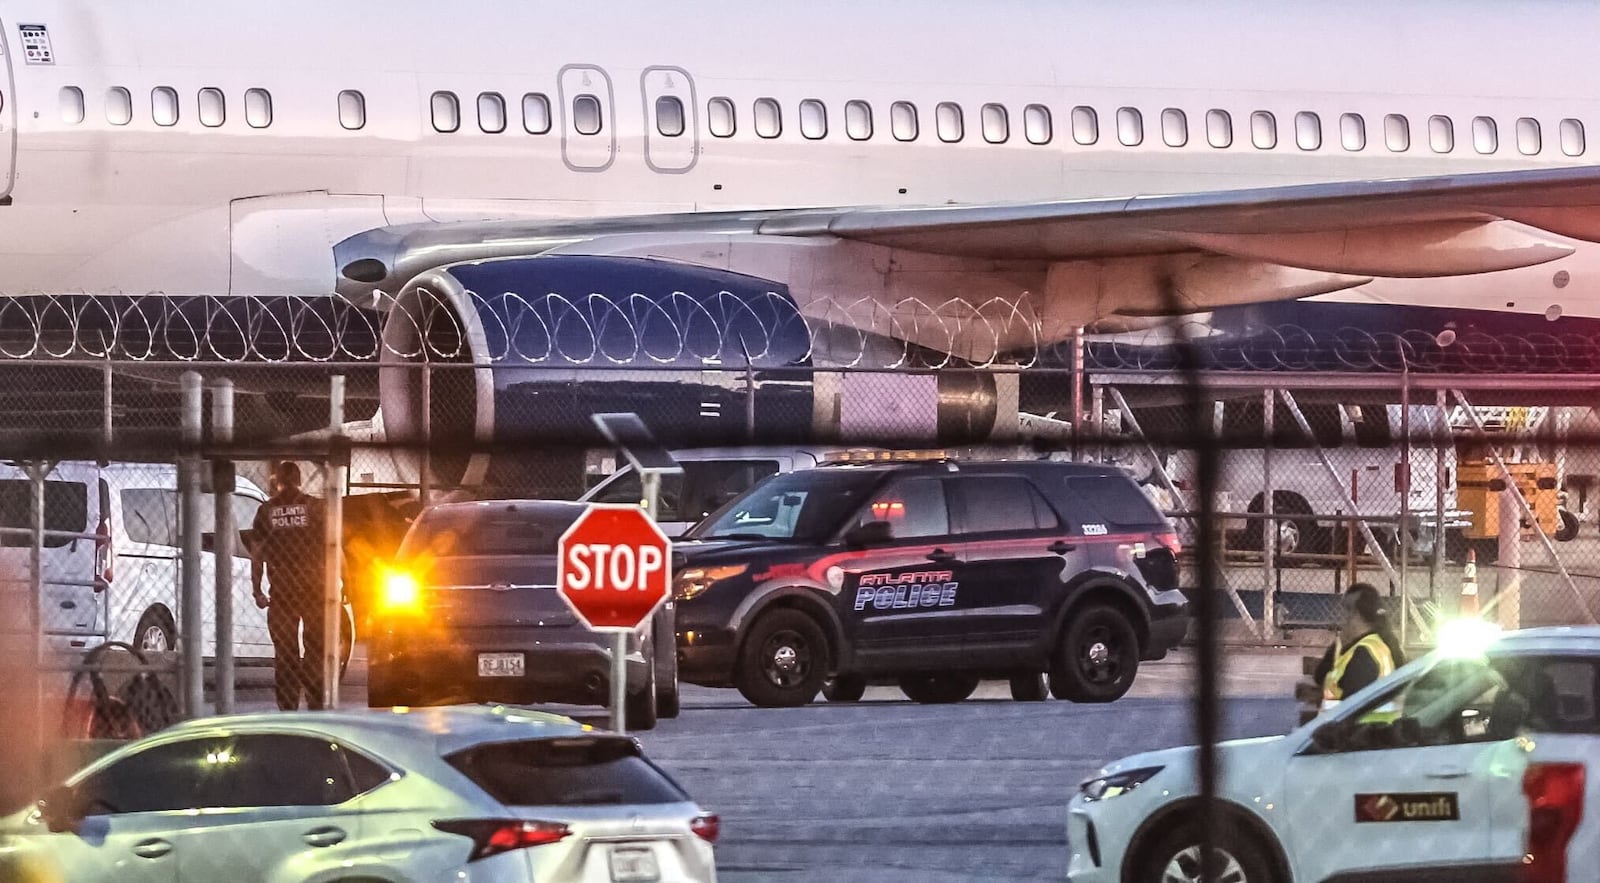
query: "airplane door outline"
663, 154
8, 119
587, 153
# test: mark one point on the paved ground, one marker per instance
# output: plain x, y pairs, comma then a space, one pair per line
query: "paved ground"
887, 790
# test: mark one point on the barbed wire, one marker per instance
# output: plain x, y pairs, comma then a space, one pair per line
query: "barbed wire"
766, 330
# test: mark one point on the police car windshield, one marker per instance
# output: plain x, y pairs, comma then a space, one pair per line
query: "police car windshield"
488, 530
804, 506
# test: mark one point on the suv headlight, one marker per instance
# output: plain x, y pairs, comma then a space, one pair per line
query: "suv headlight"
1117, 784
693, 582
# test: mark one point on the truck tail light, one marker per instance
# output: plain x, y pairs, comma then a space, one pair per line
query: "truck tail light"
1555, 807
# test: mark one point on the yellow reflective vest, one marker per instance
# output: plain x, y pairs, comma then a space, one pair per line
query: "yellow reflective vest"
1331, 693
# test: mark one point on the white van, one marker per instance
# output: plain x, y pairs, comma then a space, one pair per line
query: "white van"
111, 555
711, 477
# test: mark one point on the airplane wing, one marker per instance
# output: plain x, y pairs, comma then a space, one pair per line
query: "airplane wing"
1413, 227
1437, 226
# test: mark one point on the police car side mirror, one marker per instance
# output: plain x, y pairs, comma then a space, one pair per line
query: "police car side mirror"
873, 533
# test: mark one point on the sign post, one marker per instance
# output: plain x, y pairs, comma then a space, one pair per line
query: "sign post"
614, 568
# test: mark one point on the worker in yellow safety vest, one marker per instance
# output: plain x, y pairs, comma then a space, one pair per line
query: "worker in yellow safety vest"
1365, 649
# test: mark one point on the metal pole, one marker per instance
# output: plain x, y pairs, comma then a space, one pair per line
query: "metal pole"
619, 681
333, 535
1441, 478
1097, 412
1077, 393
650, 483
190, 630
1401, 531
1507, 601
222, 542
425, 480
1269, 526
105, 413
36, 473
749, 402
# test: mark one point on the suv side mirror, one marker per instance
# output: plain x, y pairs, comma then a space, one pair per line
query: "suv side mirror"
873, 533
62, 809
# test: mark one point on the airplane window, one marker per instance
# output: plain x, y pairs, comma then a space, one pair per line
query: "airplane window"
1036, 124
1353, 131
858, 120
1263, 130
903, 119
950, 123
1397, 133
720, 117
669, 116
813, 119
769, 118
586, 116
1528, 136
119, 106
1308, 130
258, 108
491, 112
213, 107
352, 109
446, 112
535, 113
996, 124
1441, 134
1219, 128
1130, 126
1485, 135
1174, 127
164, 105
71, 100
1572, 137
1085, 125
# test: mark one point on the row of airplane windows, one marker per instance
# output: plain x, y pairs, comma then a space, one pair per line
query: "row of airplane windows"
904, 124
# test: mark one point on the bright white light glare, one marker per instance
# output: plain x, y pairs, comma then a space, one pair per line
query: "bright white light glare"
1466, 638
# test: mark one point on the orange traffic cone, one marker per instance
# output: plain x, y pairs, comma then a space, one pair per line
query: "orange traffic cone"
1469, 584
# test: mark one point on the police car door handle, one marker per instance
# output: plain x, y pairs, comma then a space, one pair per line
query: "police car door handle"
1061, 547
941, 555
1449, 772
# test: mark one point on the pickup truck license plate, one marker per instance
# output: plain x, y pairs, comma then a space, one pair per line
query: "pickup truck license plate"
502, 665
634, 864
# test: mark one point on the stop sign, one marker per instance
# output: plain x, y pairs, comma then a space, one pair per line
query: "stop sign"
614, 567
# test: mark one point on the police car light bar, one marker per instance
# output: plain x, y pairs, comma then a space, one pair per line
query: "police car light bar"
873, 456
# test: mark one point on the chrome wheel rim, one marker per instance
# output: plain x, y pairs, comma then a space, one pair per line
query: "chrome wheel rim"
1185, 867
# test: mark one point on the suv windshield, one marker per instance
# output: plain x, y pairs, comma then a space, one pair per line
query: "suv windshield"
805, 506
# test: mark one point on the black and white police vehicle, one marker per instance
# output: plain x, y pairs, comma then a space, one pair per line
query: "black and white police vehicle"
933, 574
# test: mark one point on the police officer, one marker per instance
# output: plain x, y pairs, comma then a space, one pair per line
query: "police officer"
1365, 649
288, 547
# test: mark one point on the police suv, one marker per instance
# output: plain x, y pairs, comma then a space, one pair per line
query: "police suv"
1470, 763
932, 574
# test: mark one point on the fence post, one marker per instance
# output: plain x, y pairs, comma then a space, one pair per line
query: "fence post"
36, 471
222, 542
1269, 524
1077, 393
1441, 478
190, 630
1508, 580
425, 479
333, 537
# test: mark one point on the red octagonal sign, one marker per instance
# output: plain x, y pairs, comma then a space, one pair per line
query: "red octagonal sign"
615, 567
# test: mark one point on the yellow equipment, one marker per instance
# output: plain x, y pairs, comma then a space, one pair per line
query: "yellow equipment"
1478, 488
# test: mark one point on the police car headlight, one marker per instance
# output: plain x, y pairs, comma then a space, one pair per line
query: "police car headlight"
693, 582
1117, 784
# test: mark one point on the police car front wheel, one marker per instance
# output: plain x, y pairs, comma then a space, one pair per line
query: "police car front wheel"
783, 660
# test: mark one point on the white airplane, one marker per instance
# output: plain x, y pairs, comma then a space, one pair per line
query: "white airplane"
1098, 164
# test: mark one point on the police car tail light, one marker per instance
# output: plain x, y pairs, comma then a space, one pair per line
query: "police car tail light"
1555, 807
1171, 541
494, 836
694, 581
706, 826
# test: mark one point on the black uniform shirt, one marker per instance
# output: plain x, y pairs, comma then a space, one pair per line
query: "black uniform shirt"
288, 535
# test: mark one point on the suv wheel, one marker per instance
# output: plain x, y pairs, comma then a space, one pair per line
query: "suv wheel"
938, 689
641, 705
1098, 656
1029, 687
1176, 857
844, 688
783, 661
156, 632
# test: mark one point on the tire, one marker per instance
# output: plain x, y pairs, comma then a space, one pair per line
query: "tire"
1097, 657
641, 706
1029, 687
1568, 531
664, 645
1175, 856
783, 660
156, 632
1295, 534
844, 688
938, 689
347, 640
668, 702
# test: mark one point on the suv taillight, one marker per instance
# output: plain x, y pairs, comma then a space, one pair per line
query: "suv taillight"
1555, 807
1170, 540
706, 826
494, 836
